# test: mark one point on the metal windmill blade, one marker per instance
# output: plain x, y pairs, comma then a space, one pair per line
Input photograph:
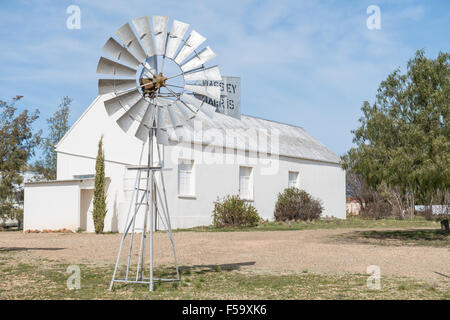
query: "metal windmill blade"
198, 60
176, 35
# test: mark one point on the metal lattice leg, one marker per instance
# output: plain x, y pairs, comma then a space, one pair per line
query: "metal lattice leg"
154, 202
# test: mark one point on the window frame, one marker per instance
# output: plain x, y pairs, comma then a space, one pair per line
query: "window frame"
251, 193
297, 179
192, 193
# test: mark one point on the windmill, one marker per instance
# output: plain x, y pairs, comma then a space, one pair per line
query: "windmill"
155, 84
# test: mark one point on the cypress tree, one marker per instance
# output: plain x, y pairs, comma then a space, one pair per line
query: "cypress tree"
99, 211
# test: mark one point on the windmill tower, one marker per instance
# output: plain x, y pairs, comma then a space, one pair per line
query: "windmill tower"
155, 86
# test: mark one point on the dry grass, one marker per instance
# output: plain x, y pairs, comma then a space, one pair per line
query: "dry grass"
42, 279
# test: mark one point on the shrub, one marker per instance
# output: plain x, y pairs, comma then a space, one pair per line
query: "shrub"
233, 211
296, 204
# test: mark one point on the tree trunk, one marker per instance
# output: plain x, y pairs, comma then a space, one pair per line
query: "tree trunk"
444, 225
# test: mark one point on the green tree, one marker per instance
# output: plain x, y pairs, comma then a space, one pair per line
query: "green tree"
99, 211
17, 144
58, 125
403, 139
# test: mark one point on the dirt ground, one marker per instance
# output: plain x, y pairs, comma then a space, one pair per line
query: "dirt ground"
274, 252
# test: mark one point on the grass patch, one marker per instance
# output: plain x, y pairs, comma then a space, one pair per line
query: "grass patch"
416, 237
42, 279
325, 223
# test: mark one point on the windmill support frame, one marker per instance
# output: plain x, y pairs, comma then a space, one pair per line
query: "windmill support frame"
151, 197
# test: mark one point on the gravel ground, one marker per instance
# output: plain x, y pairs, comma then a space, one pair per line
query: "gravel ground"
274, 251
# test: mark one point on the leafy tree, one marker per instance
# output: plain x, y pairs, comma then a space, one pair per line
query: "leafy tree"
17, 144
58, 125
99, 211
403, 139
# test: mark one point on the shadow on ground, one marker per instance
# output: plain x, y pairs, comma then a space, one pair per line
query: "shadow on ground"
424, 237
414, 234
204, 268
11, 249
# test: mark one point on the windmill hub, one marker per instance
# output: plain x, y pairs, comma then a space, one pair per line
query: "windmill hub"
151, 86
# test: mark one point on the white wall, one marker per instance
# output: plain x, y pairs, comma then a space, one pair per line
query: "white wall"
52, 206
324, 181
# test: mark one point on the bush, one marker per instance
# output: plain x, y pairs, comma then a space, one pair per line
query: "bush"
233, 211
296, 204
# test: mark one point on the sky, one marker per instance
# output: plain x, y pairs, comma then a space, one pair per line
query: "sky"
307, 63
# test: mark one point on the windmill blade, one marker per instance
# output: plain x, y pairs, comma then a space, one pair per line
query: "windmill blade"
209, 91
115, 50
106, 66
135, 113
161, 27
163, 121
175, 117
186, 113
168, 114
146, 123
181, 133
199, 59
172, 134
128, 38
192, 42
142, 132
194, 103
170, 119
208, 110
127, 99
144, 32
176, 35
115, 85
212, 74
199, 104
162, 137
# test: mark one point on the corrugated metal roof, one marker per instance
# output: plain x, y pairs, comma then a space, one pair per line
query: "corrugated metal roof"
294, 141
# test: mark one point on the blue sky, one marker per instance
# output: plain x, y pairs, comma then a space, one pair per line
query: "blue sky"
307, 63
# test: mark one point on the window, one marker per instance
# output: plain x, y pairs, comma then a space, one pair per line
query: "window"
84, 176
186, 178
246, 183
293, 179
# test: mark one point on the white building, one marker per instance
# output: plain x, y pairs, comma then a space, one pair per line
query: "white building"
222, 159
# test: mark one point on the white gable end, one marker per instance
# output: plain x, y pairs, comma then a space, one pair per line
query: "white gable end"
82, 139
